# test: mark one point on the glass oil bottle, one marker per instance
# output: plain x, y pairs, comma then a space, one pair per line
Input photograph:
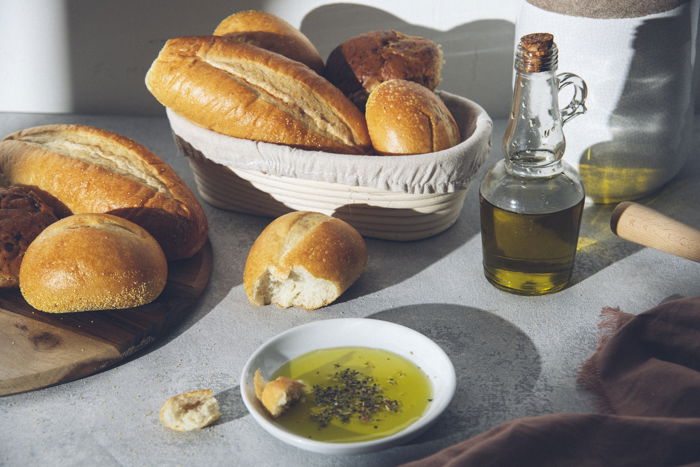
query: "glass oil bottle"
531, 201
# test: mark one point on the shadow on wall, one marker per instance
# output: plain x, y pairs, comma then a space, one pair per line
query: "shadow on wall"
478, 55
112, 45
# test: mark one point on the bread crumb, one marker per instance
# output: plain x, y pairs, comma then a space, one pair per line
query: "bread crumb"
190, 411
277, 395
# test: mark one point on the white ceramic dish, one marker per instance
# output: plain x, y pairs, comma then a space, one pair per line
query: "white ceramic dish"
364, 332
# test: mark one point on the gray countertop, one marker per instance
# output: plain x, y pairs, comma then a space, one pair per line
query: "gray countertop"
515, 356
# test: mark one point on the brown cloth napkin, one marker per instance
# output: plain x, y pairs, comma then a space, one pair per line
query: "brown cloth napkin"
646, 377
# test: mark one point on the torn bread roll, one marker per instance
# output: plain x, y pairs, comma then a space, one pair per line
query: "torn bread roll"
303, 259
189, 411
90, 170
91, 262
279, 394
404, 117
243, 91
270, 32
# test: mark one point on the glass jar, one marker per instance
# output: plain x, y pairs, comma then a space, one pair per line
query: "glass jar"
531, 201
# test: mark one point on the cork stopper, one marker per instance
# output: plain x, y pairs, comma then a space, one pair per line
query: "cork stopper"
537, 52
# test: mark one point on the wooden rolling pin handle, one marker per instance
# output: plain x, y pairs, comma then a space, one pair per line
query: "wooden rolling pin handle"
643, 225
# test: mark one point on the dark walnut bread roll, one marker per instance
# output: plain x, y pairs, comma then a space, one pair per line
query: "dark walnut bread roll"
241, 90
23, 215
270, 32
90, 170
361, 63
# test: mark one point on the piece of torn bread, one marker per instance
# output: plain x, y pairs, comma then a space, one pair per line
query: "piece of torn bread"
279, 394
303, 259
190, 411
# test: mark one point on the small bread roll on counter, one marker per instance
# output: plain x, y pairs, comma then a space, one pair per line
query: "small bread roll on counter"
303, 259
361, 63
270, 32
189, 411
92, 262
404, 117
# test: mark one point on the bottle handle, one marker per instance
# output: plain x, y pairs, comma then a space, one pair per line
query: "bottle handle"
577, 106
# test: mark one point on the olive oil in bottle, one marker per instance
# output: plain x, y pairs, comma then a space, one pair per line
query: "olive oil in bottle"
532, 201
529, 254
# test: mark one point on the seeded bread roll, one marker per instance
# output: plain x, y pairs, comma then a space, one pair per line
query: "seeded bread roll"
269, 32
361, 63
404, 117
303, 259
23, 215
90, 170
243, 91
92, 262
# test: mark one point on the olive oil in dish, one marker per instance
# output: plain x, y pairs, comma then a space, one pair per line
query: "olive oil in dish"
355, 394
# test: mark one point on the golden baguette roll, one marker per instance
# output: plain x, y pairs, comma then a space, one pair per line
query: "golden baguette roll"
241, 90
404, 117
303, 259
270, 32
90, 170
92, 262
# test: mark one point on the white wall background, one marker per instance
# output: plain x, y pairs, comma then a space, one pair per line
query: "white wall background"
91, 56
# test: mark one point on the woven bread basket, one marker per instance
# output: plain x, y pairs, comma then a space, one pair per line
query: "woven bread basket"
395, 198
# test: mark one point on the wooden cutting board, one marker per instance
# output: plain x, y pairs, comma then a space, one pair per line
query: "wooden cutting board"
40, 349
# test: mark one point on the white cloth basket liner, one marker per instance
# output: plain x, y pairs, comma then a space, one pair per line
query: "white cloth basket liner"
388, 197
439, 172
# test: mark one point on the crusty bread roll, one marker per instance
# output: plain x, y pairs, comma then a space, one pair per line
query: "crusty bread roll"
92, 262
303, 259
241, 90
361, 63
270, 32
90, 170
190, 411
404, 117
279, 394
23, 215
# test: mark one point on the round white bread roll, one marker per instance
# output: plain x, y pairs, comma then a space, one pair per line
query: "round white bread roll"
270, 32
404, 117
303, 259
92, 262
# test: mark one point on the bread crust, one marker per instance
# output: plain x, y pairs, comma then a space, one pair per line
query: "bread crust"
404, 117
92, 262
327, 247
90, 170
189, 411
270, 32
23, 215
243, 91
363, 62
